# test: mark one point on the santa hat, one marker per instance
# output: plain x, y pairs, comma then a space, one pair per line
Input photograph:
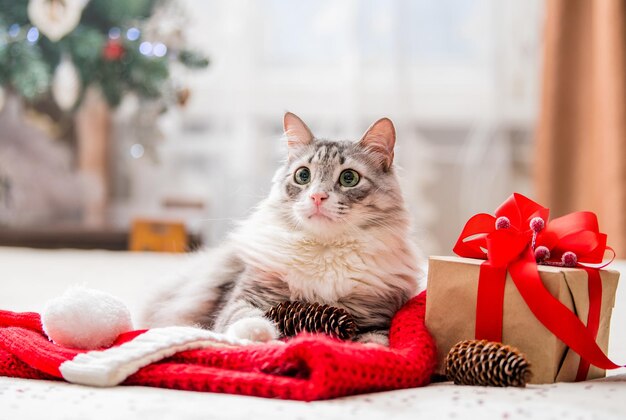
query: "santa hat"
308, 367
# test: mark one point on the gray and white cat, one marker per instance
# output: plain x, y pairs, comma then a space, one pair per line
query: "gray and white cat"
333, 230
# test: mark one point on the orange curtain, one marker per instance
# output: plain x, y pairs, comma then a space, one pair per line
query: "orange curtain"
581, 137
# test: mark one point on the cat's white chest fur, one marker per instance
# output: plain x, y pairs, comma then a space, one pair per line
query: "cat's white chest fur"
325, 271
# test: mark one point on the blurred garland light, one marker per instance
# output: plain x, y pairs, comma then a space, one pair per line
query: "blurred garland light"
114, 33
105, 46
32, 35
132, 34
145, 48
14, 30
159, 49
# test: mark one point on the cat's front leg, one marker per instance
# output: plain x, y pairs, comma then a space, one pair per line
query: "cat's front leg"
374, 337
240, 319
243, 316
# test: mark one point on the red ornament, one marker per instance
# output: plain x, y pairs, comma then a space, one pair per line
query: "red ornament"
113, 50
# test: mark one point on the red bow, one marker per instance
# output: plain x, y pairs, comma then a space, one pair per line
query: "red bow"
576, 232
507, 241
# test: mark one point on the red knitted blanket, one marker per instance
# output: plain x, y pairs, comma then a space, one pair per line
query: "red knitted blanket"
307, 367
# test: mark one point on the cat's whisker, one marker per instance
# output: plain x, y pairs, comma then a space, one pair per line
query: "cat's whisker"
381, 224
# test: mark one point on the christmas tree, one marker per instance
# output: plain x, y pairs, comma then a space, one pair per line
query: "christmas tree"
59, 47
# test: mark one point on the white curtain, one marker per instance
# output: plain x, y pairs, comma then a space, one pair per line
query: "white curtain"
458, 77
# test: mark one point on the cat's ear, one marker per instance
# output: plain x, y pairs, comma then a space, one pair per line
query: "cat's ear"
379, 140
296, 131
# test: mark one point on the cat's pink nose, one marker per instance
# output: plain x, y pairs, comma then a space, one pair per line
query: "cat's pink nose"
319, 197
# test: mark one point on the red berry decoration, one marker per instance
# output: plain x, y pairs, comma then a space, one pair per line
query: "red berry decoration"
503, 222
542, 253
537, 224
569, 259
113, 50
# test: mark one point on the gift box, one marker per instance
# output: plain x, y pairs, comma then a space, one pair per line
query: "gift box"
530, 282
451, 314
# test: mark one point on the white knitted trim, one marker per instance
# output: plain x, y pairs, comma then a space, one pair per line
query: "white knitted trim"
112, 366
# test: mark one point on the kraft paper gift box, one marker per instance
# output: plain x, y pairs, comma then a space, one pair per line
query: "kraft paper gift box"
451, 314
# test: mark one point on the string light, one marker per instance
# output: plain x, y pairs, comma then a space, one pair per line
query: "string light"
136, 150
114, 33
32, 35
132, 34
14, 30
159, 49
145, 48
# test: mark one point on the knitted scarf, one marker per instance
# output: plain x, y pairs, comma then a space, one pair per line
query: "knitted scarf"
307, 367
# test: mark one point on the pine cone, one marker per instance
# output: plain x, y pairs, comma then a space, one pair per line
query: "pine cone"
482, 362
294, 317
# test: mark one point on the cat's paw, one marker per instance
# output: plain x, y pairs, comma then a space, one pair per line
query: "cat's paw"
374, 338
254, 329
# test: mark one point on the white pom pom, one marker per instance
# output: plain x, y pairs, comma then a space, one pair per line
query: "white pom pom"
85, 319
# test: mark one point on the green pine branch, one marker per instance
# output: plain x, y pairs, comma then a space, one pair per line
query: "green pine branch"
28, 68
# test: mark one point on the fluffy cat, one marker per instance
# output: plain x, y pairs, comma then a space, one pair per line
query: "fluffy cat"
333, 230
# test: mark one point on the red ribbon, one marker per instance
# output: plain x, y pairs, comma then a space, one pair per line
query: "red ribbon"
510, 250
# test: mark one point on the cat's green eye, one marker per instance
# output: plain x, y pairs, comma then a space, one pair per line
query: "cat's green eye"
302, 175
349, 178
